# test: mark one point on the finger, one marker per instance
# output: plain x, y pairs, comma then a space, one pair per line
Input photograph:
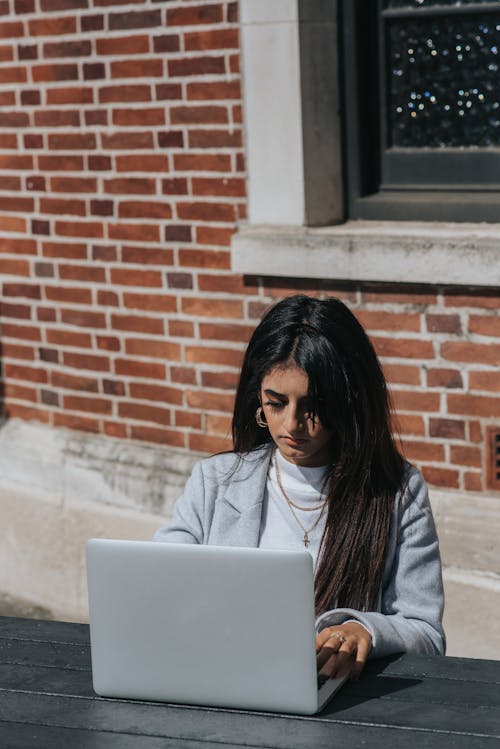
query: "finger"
363, 651
330, 636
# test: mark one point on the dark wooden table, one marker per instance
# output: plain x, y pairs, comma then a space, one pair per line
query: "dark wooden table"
417, 702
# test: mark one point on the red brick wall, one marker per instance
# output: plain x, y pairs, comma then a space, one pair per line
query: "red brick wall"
121, 181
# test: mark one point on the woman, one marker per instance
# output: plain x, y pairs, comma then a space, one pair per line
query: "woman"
315, 465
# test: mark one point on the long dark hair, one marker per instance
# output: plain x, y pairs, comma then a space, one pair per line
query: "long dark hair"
348, 394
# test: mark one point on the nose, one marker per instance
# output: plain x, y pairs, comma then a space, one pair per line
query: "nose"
294, 420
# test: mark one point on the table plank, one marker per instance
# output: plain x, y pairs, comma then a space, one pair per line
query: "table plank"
43, 630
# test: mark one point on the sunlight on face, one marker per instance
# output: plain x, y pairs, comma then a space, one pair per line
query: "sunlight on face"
286, 406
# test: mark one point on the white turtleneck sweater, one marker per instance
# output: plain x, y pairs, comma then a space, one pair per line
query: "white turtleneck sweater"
279, 528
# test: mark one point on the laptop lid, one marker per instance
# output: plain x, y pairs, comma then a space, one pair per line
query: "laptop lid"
206, 625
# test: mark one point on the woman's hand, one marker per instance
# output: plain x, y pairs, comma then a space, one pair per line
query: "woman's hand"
343, 650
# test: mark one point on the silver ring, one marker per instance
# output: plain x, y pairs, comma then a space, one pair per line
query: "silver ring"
339, 636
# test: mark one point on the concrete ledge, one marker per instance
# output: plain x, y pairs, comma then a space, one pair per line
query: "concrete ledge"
405, 252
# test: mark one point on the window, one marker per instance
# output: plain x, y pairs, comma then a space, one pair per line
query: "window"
422, 109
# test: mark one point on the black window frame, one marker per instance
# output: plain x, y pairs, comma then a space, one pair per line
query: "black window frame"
449, 184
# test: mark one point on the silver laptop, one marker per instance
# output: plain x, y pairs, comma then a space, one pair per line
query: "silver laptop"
204, 625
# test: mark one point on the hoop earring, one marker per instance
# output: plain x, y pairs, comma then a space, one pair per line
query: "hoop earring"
260, 419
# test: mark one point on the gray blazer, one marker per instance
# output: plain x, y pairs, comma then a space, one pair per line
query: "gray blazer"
222, 505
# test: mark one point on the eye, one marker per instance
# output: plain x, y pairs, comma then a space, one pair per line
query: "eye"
276, 405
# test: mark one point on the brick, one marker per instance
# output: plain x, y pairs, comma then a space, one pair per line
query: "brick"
7, 99
33, 141
57, 118
87, 404
15, 161
155, 434
24, 6
56, 5
49, 398
10, 183
473, 482
485, 380
208, 401
183, 375
441, 477
27, 51
171, 139
134, 20
143, 117
484, 325
145, 369
232, 11
402, 374
215, 138
229, 187
19, 392
14, 351
78, 423
30, 98
68, 338
66, 163
137, 68
83, 318
411, 400
138, 323
13, 119
12, 223
18, 311
134, 232
192, 15
174, 186
14, 267
385, 321
447, 428
419, 298
142, 163
70, 95
156, 393
123, 45
480, 406
166, 43
96, 117
133, 185
211, 39
136, 277
108, 343
212, 307
217, 90
477, 353
73, 184
34, 182
443, 324
114, 429
113, 387
194, 258
220, 425
64, 250
202, 162
150, 302
49, 355
178, 233
124, 93
225, 332
403, 348
208, 443
92, 362
21, 373
24, 290
21, 332
107, 298
181, 329
444, 378
99, 163
408, 424
79, 229
102, 207
44, 270
46, 314
8, 30
465, 455
153, 348
199, 65
202, 114
144, 209
168, 91
220, 380
67, 381
180, 280
187, 419
93, 71
17, 246
54, 72
212, 355
73, 48
142, 412
72, 141
61, 207
123, 141
147, 255
17, 411
71, 294
92, 23
206, 211
40, 227
485, 300
14, 74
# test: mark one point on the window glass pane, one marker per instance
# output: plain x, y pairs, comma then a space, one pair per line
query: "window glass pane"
443, 80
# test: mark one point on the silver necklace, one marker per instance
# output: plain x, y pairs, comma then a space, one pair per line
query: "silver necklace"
291, 506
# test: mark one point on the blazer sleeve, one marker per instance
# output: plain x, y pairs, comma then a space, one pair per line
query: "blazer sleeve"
412, 598
187, 525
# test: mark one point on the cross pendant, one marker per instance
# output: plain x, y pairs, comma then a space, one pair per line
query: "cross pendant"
306, 539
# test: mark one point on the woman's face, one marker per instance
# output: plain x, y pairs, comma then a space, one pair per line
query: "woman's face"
286, 406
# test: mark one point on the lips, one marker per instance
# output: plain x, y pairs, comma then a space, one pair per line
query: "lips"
293, 442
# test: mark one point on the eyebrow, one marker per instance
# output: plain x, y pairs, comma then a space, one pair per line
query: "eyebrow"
273, 393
